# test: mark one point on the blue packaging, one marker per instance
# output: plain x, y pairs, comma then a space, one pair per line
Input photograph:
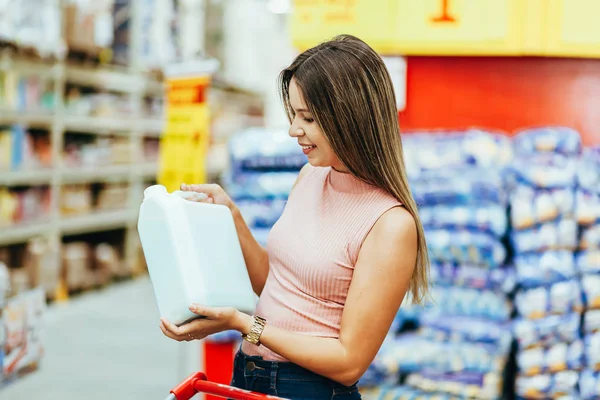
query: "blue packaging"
591, 290
532, 206
469, 302
261, 213
465, 247
260, 185
588, 170
548, 386
555, 235
591, 321
466, 187
259, 149
560, 140
466, 329
588, 261
489, 218
587, 207
543, 171
589, 385
590, 237
537, 269
474, 276
547, 331
558, 298
592, 351
444, 150
557, 357
399, 355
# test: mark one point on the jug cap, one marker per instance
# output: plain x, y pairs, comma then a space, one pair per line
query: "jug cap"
154, 190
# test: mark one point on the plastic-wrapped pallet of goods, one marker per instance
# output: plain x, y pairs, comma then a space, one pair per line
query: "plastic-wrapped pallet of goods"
549, 199
587, 212
464, 336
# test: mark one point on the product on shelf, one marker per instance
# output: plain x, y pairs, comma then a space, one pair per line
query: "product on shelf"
76, 199
23, 327
103, 105
112, 196
24, 150
41, 264
25, 93
90, 151
23, 206
89, 25
33, 24
86, 265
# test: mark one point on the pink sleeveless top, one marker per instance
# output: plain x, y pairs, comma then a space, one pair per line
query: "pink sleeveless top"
313, 249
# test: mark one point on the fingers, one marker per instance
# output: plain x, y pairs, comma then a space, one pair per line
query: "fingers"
207, 312
210, 189
185, 333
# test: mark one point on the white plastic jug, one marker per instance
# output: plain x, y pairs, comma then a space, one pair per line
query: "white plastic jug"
193, 255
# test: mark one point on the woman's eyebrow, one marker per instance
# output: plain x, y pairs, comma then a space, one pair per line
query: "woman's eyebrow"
301, 110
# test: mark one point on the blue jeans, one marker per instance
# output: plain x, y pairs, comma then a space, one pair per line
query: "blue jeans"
287, 380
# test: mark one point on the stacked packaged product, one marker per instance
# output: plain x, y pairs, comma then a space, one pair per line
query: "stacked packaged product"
549, 300
464, 335
264, 166
587, 211
21, 329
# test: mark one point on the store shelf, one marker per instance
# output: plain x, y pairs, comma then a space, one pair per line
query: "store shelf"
26, 177
105, 78
152, 127
98, 125
97, 222
34, 120
100, 173
149, 170
20, 233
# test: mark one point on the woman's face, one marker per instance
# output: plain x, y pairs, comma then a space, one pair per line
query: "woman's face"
308, 133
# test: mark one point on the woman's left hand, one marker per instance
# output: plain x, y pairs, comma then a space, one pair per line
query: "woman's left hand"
216, 319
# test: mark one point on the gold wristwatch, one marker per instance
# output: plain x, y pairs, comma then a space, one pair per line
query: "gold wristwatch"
257, 329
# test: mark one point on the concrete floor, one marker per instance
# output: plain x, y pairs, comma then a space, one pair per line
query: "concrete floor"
106, 345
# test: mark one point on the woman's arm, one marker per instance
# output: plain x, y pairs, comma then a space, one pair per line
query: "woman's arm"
381, 279
255, 256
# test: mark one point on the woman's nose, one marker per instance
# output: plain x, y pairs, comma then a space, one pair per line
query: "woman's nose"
296, 131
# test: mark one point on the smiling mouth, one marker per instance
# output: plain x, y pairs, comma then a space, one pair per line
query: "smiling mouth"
308, 147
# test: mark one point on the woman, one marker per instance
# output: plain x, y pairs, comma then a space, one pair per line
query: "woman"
348, 246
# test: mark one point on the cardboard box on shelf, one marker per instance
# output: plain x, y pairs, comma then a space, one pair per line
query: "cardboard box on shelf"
113, 196
76, 199
43, 266
76, 259
107, 263
89, 25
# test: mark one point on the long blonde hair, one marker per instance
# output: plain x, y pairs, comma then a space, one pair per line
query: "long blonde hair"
349, 92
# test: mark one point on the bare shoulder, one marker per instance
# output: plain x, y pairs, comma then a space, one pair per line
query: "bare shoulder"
396, 225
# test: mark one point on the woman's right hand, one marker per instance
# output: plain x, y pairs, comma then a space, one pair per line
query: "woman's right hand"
215, 193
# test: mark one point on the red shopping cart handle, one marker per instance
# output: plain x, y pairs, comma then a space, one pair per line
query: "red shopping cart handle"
197, 383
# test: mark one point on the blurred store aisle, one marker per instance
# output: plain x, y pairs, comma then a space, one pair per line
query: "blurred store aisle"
103, 345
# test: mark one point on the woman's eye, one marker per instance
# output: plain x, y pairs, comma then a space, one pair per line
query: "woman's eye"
309, 120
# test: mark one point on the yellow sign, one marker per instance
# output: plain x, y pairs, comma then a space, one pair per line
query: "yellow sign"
572, 28
457, 26
185, 142
454, 27
315, 21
